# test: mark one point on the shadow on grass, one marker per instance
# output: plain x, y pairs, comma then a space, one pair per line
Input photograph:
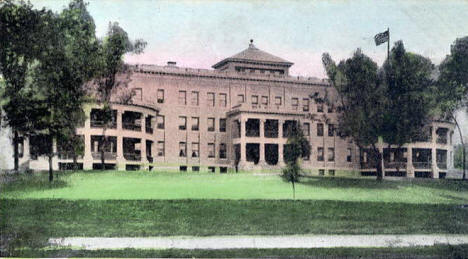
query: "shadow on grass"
30, 182
329, 182
442, 184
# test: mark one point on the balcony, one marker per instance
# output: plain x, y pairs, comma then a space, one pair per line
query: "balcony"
68, 155
442, 165
394, 164
131, 126
132, 156
107, 155
422, 165
441, 140
149, 130
101, 124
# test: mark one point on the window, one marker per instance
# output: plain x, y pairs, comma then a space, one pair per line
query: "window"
194, 99
211, 124
278, 100
306, 129
295, 103
182, 97
331, 172
331, 154
320, 154
265, 100
319, 129
321, 171
254, 99
222, 100
182, 149
211, 150
240, 98
160, 96
330, 109
195, 123
160, 121
182, 123
195, 168
305, 104
211, 99
319, 107
222, 125
195, 149
222, 150
349, 156
331, 130
160, 148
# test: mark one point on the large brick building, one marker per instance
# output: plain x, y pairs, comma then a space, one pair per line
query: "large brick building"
236, 115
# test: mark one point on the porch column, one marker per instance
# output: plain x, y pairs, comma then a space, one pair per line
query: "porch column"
120, 156
243, 148
143, 122
144, 159
409, 162
119, 122
280, 143
87, 157
435, 169
261, 148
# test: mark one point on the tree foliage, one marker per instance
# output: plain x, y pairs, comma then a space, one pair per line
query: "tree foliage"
452, 86
392, 103
21, 46
111, 65
297, 147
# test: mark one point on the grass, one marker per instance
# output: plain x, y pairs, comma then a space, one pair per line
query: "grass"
172, 186
412, 252
140, 204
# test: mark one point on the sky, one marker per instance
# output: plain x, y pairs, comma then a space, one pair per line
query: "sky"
200, 33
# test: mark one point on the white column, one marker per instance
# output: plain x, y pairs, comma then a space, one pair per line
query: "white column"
87, 157
120, 157
409, 162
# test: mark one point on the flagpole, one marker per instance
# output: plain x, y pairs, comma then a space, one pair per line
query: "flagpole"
388, 44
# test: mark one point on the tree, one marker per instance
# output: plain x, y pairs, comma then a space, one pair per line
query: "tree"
106, 84
391, 105
21, 42
68, 63
458, 156
297, 147
452, 85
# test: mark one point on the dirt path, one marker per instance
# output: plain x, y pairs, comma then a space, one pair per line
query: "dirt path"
232, 242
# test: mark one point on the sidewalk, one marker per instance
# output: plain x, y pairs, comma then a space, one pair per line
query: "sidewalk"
233, 242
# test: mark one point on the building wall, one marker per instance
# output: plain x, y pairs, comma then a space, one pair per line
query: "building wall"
172, 80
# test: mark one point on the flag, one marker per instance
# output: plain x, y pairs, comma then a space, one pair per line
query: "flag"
381, 37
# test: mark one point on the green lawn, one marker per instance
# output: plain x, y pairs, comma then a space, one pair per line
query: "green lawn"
160, 204
156, 185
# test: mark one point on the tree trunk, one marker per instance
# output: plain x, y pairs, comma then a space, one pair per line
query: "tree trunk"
294, 190
75, 164
15, 150
378, 158
51, 173
463, 147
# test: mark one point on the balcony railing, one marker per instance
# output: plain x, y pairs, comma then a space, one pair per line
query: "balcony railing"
67, 155
422, 165
271, 133
366, 165
107, 155
442, 165
132, 156
395, 164
441, 140
101, 124
149, 130
252, 133
131, 126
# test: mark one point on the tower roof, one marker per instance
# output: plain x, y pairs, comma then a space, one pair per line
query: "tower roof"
254, 55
